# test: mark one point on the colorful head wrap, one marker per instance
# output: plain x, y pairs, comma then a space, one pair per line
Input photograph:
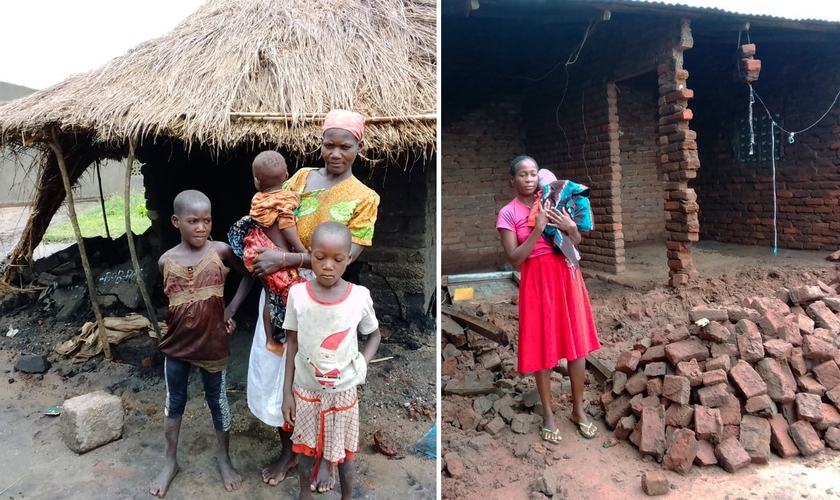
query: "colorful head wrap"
346, 120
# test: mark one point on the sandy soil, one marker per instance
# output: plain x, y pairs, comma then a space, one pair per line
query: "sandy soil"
626, 309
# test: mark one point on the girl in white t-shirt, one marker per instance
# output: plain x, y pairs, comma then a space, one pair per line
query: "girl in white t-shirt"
323, 362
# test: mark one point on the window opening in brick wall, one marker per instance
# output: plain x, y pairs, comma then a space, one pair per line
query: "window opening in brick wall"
763, 149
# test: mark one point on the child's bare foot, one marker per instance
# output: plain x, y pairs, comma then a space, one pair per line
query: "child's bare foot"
160, 484
231, 479
275, 473
325, 480
275, 347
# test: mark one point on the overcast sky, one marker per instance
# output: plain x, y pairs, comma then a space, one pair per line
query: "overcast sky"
44, 42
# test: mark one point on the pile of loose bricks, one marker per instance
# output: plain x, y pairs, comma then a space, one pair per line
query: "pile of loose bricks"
735, 384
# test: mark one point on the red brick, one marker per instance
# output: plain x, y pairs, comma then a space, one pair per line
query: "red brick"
636, 384
692, 371
719, 363
737, 313
617, 410
805, 293
806, 325
679, 415
749, 343
655, 483
771, 324
677, 389
823, 317
705, 454
468, 419
654, 387
729, 431
778, 349
760, 405
780, 440
606, 398
454, 464
625, 427
730, 413
686, 350
628, 362
657, 369
797, 362
707, 423
830, 417
809, 384
731, 455
710, 313
449, 367
827, 374
640, 404
654, 353
808, 407
713, 396
806, 438
714, 332
764, 304
832, 438
747, 380
834, 396
682, 452
781, 384
652, 439
619, 382
755, 437
714, 377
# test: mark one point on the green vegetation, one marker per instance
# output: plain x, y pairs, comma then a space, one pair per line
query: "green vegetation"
92, 223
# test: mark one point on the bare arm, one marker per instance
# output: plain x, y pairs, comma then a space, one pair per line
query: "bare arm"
372, 344
517, 253
291, 235
288, 383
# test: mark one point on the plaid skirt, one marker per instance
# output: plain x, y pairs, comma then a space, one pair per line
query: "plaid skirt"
326, 425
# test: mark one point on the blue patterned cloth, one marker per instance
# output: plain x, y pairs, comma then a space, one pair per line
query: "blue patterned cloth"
575, 199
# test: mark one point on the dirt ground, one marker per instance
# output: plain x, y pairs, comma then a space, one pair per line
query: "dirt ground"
399, 397
627, 309
36, 463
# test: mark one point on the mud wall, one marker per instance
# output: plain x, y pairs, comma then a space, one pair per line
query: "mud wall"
798, 82
400, 267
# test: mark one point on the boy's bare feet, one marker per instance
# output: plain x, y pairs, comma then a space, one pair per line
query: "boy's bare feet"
275, 473
160, 484
275, 347
325, 480
231, 479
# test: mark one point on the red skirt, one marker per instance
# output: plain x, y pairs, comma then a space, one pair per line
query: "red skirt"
555, 318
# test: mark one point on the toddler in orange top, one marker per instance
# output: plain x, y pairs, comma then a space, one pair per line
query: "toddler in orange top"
273, 210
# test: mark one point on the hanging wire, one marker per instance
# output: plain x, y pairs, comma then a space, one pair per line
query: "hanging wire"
773, 126
752, 129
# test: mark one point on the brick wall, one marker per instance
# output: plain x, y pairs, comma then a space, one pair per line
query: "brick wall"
641, 184
798, 82
399, 268
477, 148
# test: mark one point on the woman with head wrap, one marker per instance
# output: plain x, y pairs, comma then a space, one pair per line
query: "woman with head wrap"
329, 193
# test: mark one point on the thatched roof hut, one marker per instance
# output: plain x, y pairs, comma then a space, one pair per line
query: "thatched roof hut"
235, 77
290, 58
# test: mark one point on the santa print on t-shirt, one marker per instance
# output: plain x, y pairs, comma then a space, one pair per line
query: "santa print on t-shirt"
328, 349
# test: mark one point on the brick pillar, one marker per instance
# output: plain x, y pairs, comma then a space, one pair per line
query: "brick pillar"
678, 159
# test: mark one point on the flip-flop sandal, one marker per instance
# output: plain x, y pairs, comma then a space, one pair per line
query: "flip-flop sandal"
550, 436
588, 430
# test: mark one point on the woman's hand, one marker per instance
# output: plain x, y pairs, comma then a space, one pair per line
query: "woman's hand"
541, 220
289, 409
561, 219
268, 262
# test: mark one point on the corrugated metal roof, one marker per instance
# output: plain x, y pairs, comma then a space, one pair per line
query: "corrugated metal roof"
798, 10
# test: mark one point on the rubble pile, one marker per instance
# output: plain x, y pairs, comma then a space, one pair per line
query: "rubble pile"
62, 279
734, 385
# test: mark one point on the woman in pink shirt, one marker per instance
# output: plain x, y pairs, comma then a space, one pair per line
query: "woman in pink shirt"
555, 317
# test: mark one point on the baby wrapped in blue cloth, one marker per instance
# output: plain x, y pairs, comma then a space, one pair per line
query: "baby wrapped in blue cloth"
568, 195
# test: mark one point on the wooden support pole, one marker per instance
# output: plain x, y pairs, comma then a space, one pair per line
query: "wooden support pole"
138, 273
102, 201
94, 296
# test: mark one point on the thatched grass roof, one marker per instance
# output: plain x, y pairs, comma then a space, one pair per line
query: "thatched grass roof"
291, 57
